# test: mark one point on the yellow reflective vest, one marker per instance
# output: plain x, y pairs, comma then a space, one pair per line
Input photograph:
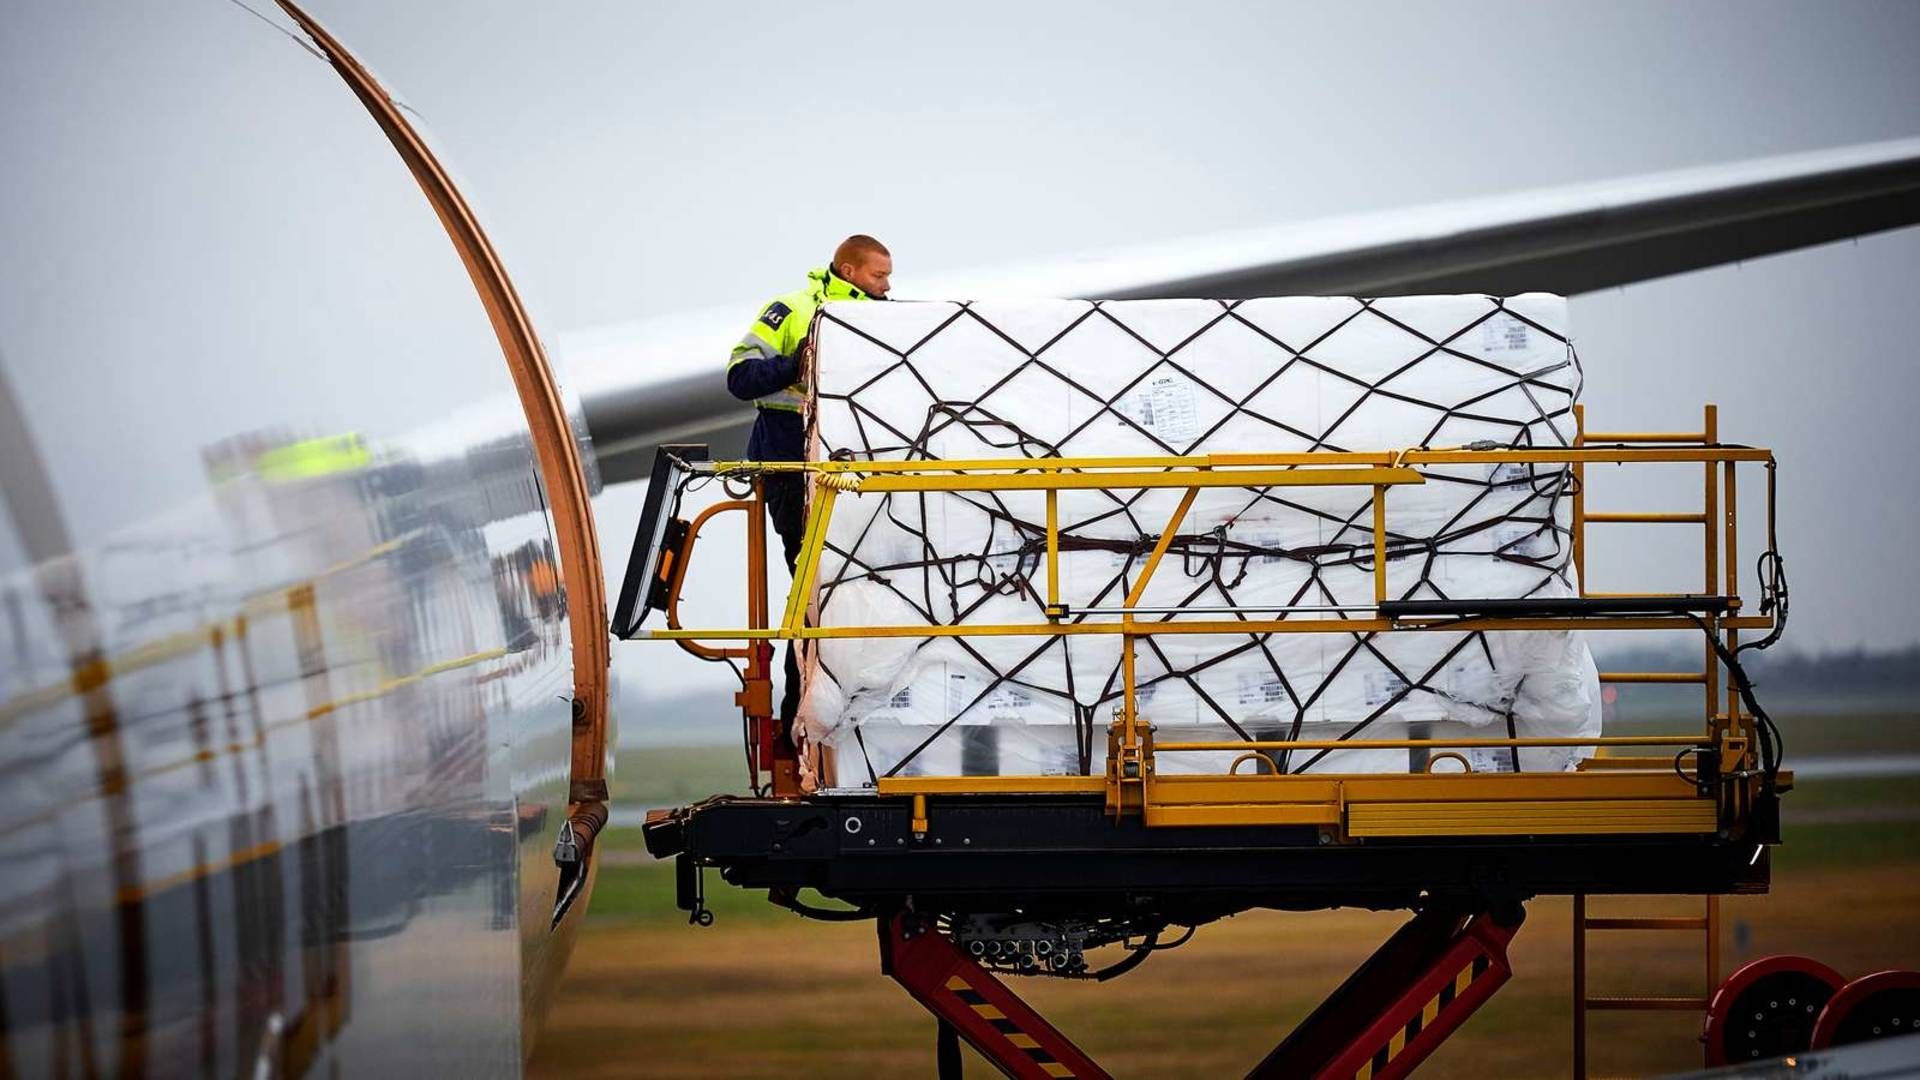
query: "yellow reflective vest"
771, 346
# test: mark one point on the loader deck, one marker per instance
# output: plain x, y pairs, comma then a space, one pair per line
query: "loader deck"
966, 876
1036, 852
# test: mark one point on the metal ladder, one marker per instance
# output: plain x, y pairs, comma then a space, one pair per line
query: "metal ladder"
1718, 499
1708, 922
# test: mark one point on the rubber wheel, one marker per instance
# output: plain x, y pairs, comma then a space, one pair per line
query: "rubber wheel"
1877, 1006
1768, 1009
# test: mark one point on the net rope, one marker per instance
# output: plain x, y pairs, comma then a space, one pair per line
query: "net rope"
945, 586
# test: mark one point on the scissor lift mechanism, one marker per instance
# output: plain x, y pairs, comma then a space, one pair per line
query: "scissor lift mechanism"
1464, 850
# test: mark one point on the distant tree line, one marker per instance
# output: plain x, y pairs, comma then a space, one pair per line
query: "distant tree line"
1840, 671
1857, 669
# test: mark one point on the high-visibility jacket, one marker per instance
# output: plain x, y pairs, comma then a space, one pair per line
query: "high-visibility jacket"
310, 459
765, 365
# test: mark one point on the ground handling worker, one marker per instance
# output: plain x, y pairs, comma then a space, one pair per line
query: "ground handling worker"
769, 368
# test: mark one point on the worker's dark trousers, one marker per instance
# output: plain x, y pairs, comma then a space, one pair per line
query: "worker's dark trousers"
787, 506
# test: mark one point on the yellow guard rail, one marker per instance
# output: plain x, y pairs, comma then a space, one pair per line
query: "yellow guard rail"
1644, 794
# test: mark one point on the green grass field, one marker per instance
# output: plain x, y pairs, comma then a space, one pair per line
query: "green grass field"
763, 993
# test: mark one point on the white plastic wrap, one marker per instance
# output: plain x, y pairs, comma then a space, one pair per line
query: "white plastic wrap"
1079, 379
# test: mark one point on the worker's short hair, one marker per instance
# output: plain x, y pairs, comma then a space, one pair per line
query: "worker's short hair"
857, 247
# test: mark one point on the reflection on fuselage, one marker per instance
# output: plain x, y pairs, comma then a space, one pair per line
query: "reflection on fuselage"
286, 780
284, 660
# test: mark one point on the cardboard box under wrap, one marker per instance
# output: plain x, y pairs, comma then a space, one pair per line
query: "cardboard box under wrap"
1163, 377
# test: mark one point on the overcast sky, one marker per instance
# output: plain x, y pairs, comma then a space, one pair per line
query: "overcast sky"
637, 160
641, 159
632, 161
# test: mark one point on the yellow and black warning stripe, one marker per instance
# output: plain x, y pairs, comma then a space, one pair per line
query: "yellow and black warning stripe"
992, 1015
1421, 1020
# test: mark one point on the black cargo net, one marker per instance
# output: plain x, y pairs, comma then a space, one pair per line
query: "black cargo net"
1528, 406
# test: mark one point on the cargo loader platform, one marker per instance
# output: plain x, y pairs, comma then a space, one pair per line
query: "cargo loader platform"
973, 876
1046, 852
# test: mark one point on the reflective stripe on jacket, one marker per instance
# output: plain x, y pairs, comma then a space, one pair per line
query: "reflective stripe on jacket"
765, 365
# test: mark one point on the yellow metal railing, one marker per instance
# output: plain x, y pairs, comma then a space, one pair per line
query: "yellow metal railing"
1130, 781
1642, 794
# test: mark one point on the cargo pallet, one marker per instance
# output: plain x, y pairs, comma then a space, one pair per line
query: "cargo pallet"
1688, 813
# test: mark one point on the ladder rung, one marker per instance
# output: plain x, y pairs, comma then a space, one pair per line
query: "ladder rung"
1663, 764
1649, 922
1673, 1004
1643, 517
1643, 436
1653, 676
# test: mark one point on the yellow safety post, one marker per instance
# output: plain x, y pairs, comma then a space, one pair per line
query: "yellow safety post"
1053, 554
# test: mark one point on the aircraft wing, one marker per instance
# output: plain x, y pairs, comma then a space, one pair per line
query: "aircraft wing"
645, 384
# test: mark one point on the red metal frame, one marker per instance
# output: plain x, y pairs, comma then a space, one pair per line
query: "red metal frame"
979, 1007
1417, 989
1456, 986
1413, 993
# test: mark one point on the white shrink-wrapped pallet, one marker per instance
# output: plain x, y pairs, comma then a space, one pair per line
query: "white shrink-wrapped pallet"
1061, 378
